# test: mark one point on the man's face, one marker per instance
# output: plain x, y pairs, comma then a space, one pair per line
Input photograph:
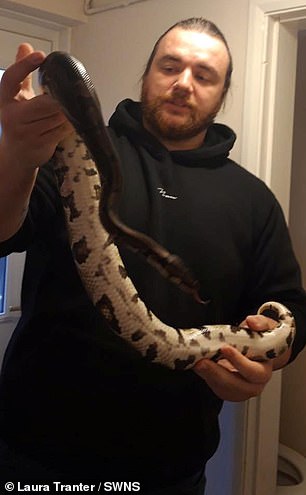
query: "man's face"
184, 89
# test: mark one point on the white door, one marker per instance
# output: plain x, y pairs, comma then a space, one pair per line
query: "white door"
14, 31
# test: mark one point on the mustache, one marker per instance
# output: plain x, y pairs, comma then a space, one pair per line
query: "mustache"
179, 100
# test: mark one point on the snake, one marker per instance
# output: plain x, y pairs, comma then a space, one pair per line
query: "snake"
87, 167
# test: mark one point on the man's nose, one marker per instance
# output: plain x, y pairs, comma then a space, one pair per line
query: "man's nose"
184, 80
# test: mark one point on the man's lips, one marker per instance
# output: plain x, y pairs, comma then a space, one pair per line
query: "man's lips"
177, 104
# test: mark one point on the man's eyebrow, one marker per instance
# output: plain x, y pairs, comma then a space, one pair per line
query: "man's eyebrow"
200, 65
208, 68
169, 58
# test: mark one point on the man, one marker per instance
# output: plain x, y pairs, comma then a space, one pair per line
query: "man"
77, 403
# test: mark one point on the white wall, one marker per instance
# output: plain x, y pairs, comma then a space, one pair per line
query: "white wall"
114, 46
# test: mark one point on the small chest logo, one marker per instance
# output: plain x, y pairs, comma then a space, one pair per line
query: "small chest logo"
164, 194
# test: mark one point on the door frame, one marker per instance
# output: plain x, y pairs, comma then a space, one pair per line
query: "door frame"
267, 134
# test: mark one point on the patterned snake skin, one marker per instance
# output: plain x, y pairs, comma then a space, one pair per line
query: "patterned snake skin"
90, 183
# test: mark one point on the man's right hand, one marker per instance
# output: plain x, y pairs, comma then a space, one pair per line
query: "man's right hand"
32, 126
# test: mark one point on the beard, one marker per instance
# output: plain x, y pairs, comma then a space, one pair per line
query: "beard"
174, 129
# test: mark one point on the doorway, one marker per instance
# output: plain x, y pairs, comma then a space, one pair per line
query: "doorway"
293, 403
267, 152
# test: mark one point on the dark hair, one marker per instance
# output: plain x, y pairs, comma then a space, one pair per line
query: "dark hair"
203, 26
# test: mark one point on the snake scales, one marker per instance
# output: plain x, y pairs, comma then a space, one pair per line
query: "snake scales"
90, 184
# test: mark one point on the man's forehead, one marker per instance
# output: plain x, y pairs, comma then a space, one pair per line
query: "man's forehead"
197, 46
192, 42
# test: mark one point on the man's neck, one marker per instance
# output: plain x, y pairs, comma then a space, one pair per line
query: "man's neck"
187, 144
176, 144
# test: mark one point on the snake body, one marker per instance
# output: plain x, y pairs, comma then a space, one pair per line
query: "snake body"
90, 185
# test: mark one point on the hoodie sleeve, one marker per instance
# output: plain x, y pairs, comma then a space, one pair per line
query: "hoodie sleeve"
275, 273
44, 203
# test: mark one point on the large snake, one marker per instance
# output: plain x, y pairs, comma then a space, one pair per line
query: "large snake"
88, 169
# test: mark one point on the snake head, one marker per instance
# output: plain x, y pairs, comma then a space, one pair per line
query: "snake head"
65, 78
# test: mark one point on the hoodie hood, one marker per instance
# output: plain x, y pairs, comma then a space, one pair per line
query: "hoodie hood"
219, 140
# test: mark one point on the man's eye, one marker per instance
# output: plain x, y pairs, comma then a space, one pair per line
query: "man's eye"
201, 77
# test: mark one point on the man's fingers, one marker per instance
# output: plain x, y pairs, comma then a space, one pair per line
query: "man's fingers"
260, 322
251, 371
16, 77
235, 377
227, 385
23, 51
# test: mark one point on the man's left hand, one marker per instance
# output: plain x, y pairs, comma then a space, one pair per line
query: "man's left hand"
235, 377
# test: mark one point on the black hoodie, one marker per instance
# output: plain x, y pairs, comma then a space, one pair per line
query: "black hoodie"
76, 397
